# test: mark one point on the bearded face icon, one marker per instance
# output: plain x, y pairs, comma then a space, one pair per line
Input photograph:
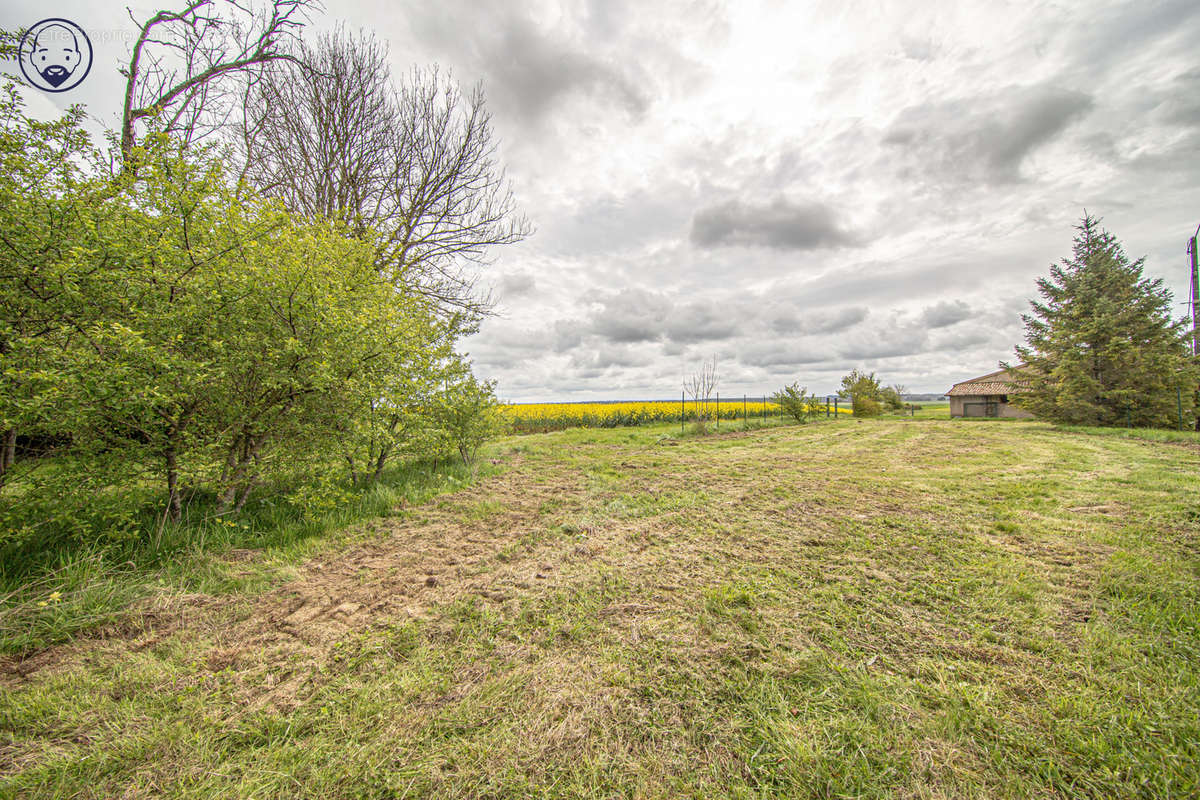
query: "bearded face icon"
55, 54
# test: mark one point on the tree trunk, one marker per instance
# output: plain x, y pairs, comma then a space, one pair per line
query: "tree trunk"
244, 496
237, 475
8, 453
380, 462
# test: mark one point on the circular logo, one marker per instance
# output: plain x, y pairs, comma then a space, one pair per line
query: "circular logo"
55, 55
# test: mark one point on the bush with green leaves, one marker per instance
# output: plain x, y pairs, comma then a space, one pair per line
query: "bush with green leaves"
185, 341
798, 404
465, 413
889, 397
865, 393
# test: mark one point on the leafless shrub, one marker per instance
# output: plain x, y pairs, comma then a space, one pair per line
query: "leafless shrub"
701, 387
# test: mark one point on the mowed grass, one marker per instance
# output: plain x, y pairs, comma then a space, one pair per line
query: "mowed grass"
887, 608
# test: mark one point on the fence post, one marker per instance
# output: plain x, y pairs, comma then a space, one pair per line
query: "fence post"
835, 406
745, 419
1128, 417
1179, 405
682, 410
718, 411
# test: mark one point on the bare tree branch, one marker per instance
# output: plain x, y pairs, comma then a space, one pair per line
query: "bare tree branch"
701, 386
414, 167
181, 64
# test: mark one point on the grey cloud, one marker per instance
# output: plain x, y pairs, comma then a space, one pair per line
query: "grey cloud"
565, 335
960, 341
918, 47
528, 70
517, 284
782, 354
1179, 102
607, 356
835, 320
781, 224
985, 137
698, 322
1113, 33
945, 313
616, 222
631, 315
791, 320
898, 335
536, 70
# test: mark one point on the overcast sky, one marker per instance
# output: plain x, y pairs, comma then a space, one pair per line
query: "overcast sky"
795, 188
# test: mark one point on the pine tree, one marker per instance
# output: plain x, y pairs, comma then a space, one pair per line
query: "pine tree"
1102, 348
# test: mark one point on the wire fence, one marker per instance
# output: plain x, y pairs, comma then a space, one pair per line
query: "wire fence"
544, 417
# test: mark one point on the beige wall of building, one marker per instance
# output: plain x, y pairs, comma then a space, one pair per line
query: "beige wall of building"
973, 405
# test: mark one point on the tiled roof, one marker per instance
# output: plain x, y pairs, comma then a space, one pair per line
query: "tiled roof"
998, 382
980, 387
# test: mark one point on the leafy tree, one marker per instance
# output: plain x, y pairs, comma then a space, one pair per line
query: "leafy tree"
798, 404
864, 391
168, 324
890, 397
1101, 347
41, 216
465, 413
393, 407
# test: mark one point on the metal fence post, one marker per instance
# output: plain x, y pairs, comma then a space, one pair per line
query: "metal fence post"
1179, 405
682, 410
718, 411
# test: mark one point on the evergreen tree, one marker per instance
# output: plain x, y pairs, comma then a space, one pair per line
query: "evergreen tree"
1101, 347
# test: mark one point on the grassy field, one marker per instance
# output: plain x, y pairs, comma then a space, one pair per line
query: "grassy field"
891, 608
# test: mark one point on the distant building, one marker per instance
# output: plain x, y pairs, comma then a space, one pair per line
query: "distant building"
986, 396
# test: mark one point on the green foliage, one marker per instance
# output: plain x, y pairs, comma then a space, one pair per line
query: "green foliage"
865, 393
1101, 347
798, 404
890, 398
466, 414
184, 343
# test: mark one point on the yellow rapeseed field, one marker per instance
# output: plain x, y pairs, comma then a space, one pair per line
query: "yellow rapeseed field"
537, 417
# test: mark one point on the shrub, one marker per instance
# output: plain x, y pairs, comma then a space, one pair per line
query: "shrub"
798, 404
466, 415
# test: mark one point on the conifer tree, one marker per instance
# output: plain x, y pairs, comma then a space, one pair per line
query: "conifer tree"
1101, 347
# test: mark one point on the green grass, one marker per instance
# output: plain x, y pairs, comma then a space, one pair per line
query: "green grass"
55, 593
881, 608
1147, 434
933, 411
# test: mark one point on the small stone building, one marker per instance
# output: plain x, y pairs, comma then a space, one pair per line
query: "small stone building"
986, 396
